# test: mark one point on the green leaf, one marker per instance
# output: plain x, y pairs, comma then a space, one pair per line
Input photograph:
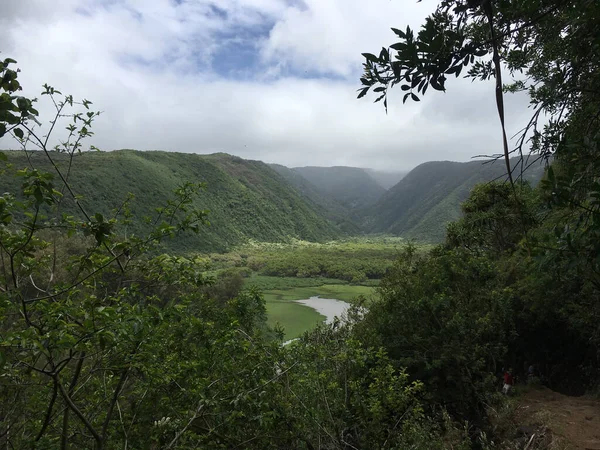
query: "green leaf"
384, 55
400, 33
436, 85
415, 98
19, 133
371, 57
2, 129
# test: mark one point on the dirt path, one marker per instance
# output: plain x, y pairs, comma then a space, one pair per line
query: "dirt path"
573, 421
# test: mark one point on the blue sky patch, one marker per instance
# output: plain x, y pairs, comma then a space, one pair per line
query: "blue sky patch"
238, 51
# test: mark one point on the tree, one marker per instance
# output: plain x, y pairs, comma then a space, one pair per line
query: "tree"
74, 329
445, 318
550, 45
545, 243
495, 220
105, 343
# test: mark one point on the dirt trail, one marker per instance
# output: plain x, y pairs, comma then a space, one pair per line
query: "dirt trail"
575, 421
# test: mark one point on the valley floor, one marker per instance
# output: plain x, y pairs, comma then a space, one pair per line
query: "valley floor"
295, 318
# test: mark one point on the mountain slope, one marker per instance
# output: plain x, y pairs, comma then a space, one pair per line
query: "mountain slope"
246, 199
329, 207
349, 187
429, 197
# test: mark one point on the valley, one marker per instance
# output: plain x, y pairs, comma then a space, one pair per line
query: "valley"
348, 270
147, 298
291, 233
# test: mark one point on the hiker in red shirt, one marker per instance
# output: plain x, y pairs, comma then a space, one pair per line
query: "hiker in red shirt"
508, 381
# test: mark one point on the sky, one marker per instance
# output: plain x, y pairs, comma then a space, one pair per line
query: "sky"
273, 80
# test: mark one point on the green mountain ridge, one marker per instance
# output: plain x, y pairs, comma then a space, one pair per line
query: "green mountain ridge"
330, 208
350, 187
429, 197
249, 199
246, 199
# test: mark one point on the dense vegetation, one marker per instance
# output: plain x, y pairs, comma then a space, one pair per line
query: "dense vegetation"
418, 207
245, 199
422, 204
105, 344
517, 280
354, 260
341, 192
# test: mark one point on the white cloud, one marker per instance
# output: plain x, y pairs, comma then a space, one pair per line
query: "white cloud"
329, 36
147, 65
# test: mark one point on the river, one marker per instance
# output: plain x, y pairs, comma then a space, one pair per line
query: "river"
329, 307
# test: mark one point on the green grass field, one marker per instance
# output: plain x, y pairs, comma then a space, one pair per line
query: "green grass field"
296, 318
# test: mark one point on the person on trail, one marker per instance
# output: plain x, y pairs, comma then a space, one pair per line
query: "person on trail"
508, 382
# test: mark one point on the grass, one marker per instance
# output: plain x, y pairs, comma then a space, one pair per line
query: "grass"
296, 318
298, 270
293, 317
344, 292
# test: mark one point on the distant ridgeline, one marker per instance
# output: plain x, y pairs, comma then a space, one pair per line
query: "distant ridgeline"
272, 203
418, 205
429, 197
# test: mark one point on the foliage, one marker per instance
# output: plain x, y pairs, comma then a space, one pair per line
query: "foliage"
107, 343
355, 260
246, 199
429, 197
543, 243
355, 395
496, 218
446, 318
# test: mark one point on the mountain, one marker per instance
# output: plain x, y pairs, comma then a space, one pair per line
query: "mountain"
424, 201
246, 199
386, 179
326, 204
350, 187
339, 191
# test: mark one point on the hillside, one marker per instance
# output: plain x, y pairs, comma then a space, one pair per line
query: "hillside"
349, 187
429, 197
326, 204
246, 199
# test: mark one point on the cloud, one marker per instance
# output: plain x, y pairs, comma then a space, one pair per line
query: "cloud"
263, 79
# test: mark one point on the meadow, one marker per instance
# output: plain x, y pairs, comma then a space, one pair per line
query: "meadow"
296, 318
